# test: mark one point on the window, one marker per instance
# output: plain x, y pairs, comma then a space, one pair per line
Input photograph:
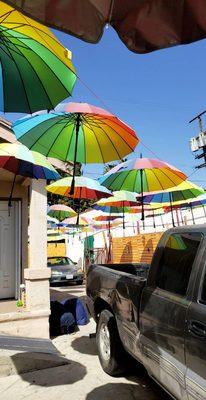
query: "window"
176, 262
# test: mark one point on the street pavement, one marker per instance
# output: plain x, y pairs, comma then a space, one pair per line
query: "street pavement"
82, 378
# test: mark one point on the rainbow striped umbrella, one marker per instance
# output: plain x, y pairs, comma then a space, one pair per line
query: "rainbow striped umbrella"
19, 160
121, 198
82, 133
142, 175
61, 212
184, 191
36, 71
85, 188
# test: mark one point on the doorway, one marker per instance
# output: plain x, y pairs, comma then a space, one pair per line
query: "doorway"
10, 254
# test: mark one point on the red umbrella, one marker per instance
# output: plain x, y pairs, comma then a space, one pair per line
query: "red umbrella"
143, 25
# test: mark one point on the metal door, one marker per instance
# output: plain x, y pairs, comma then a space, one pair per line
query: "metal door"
9, 249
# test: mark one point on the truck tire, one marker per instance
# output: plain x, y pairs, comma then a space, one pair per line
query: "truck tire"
112, 355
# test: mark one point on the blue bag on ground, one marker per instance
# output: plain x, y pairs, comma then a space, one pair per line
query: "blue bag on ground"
76, 307
61, 321
67, 323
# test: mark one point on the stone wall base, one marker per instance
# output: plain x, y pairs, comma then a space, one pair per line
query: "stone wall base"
29, 324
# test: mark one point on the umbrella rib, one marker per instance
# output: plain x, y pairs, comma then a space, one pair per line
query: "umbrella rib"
46, 34
35, 127
153, 171
6, 15
97, 142
41, 83
37, 31
69, 144
22, 81
56, 140
100, 127
107, 119
168, 177
48, 65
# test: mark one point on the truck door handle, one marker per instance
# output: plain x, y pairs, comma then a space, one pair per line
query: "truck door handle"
198, 329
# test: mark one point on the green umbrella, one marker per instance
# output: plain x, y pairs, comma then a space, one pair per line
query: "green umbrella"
36, 71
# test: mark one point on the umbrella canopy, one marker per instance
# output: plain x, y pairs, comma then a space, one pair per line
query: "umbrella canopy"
85, 188
17, 158
61, 212
121, 199
184, 191
51, 220
106, 217
82, 133
143, 26
102, 137
142, 175
156, 175
36, 71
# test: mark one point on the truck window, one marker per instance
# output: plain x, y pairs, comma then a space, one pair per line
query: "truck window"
176, 262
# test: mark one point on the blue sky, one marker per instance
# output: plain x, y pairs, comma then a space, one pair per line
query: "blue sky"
157, 94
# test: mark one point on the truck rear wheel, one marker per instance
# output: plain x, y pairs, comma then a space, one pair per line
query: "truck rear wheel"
110, 350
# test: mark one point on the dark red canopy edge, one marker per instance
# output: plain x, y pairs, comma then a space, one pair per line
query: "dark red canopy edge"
142, 25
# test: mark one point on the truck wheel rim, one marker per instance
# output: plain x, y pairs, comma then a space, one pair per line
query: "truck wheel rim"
105, 342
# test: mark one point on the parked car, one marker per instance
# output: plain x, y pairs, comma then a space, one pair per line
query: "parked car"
64, 270
159, 316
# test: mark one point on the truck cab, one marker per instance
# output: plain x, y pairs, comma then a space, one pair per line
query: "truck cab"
173, 314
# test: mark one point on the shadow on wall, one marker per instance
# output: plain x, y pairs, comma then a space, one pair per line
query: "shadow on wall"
127, 254
126, 391
61, 370
148, 250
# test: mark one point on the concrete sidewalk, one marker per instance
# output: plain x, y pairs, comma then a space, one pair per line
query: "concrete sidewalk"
81, 379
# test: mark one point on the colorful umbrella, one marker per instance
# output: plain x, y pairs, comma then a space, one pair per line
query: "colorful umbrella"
184, 191
19, 160
120, 198
200, 201
83, 133
85, 188
36, 71
61, 212
106, 218
143, 26
142, 175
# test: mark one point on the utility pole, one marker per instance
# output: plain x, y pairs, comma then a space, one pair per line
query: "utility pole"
198, 143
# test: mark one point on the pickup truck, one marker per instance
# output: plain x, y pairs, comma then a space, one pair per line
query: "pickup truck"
156, 314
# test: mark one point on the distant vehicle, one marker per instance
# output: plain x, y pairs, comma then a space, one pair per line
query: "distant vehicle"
64, 270
156, 314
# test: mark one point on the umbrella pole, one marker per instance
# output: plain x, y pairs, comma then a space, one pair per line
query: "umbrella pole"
193, 218
142, 200
204, 210
171, 209
11, 194
123, 217
109, 250
177, 216
154, 225
181, 217
163, 225
78, 123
